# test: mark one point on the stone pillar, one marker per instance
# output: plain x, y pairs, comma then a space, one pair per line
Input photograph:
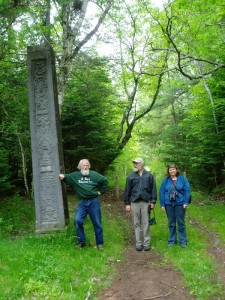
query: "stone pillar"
46, 142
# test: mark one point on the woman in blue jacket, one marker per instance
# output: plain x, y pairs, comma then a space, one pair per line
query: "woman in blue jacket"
174, 196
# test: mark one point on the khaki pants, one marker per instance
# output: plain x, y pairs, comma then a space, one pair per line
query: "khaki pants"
141, 223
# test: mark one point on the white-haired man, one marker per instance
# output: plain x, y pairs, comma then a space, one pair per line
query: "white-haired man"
88, 185
140, 195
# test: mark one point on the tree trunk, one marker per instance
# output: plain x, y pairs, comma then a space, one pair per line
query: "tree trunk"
117, 189
72, 21
24, 166
213, 107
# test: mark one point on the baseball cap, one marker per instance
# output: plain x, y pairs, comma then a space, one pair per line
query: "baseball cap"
138, 160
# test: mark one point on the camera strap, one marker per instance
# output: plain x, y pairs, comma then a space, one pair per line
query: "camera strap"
174, 185
180, 191
152, 210
152, 220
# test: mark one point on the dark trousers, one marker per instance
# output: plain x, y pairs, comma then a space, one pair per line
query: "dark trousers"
176, 218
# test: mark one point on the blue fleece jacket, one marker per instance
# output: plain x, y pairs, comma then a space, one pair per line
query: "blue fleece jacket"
182, 190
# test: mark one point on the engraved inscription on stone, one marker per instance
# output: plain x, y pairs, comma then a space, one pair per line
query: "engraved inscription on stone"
40, 86
50, 200
48, 207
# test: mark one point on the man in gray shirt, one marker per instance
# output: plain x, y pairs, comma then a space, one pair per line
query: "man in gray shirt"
140, 196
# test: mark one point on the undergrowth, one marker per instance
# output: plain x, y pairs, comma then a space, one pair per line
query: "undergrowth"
50, 267
197, 266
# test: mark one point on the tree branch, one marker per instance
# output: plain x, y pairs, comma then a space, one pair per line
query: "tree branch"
92, 32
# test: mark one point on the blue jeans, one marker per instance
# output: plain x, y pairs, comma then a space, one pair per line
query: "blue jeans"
176, 215
93, 208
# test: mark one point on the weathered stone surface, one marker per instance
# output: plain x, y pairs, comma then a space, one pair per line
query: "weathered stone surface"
47, 157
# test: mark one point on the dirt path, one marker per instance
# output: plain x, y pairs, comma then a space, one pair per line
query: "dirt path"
139, 279
142, 276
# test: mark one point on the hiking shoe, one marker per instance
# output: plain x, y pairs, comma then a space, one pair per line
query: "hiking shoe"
80, 245
139, 248
147, 248
100, 247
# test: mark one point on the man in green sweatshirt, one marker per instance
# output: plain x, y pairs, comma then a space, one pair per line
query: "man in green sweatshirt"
88, 185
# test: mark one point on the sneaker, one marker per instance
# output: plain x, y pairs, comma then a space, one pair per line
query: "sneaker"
100, 247
183, 245
139, 248
170, 245
80, 245
147, 248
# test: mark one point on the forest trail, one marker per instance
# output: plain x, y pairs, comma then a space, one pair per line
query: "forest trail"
215, 248
144, 275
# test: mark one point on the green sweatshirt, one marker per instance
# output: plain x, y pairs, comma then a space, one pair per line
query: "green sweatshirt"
87, 187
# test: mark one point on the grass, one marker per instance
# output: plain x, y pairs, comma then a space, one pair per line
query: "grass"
210, 214
49, 267
197, 267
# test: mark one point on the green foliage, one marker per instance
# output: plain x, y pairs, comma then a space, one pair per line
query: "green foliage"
188, 130
197, 267
210, 213
16, 215
122, 166
87, 124
49, 266
14, 123
4, 173
103, 98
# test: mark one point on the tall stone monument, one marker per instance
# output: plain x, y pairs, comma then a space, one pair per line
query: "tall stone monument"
46, 142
